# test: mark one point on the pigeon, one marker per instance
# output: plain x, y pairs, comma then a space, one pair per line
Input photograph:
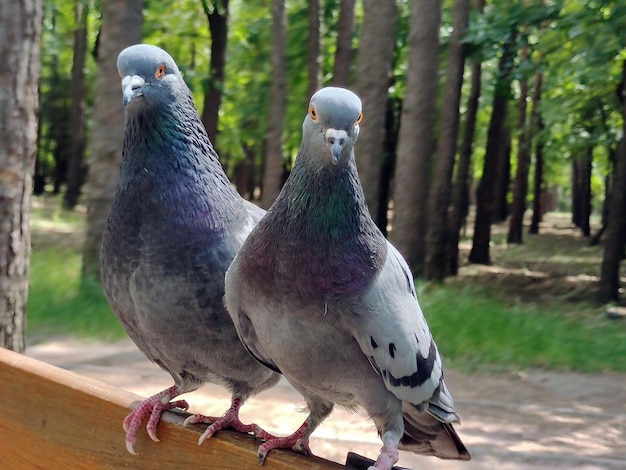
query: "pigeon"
174, 227
319, 294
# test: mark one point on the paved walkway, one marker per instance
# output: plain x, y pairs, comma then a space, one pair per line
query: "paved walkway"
533, 420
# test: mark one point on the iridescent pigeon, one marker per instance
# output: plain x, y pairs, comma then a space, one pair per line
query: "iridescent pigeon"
317, 292
174, 227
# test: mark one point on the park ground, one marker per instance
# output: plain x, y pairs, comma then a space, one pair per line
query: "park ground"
526, 420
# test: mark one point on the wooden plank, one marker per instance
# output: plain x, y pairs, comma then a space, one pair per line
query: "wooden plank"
53, 418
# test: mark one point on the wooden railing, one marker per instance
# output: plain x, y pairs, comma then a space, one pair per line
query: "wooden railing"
51, 418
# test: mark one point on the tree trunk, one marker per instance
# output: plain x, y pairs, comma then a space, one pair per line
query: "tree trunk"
313, 47
75, 174
392, 125
440, 193
218, 26
121, 27
576, 204
520, 186
56, 110
373, 76
503, 178
20, 33
343, 52
615, 236
244, 173
415, 141
485, 195
41, 168
584, 191
460, 195
273, 170
537, 128
597, 237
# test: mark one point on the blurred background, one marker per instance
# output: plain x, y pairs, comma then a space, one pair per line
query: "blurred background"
491, 154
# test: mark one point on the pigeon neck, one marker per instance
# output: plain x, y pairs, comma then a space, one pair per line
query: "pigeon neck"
168, 162
324, 226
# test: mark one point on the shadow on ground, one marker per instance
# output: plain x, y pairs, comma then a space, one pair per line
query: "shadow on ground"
529, 420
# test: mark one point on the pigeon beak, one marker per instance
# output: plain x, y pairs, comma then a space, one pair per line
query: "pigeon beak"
131, 88
336, 140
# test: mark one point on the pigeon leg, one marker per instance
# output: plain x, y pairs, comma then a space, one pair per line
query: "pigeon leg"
229, 420
298, 441
153, 406
388, 456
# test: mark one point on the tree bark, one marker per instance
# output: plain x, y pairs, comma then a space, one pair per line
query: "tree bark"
313, 47
503, 178
436, 267
537, 126
75, 174
218, 26
373, 75
586, 167
343, 52
576, 204
20, 33
415, 141
273, 171
615, 235
485, 195
460, 195
121, 27
520, 186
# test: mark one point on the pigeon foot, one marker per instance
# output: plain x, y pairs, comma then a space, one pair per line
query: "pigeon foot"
153, 406
229, 420
298, 442
387, 458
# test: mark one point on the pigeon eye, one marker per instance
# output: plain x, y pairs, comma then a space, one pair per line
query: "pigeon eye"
160, 71
359, 119
313, 113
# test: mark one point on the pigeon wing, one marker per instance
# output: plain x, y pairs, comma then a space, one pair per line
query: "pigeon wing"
393, 334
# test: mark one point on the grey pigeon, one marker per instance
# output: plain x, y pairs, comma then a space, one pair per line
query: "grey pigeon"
175, 225
317, 292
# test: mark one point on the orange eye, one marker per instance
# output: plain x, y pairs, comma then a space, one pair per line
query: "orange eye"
160, 71
359, 119
313, 113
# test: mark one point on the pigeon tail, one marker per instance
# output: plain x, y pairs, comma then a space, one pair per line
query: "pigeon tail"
441, 405
425, 434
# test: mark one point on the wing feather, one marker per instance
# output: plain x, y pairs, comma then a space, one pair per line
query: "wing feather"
392, 332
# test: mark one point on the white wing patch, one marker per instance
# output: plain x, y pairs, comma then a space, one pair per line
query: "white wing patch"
393, 333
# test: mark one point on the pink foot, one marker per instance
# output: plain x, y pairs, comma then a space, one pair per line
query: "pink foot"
153, 406
298, 441
229, 420
387, 458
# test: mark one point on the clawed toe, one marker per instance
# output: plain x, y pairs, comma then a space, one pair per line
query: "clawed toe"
152, 407
298, 442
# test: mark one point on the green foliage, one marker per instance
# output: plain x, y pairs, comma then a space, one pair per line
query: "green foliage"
476, 328
580, 43
182, 28
59, 302
579, 49
583, 57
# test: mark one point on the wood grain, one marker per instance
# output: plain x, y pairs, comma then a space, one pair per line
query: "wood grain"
52, 418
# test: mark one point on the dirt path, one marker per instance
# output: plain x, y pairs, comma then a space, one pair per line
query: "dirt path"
532, 420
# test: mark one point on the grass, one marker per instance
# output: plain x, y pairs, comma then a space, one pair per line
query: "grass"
533, 308
60, 302
477, 328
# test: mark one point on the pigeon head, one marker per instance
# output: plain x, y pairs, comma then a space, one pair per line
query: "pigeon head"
148, 74
331, 127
